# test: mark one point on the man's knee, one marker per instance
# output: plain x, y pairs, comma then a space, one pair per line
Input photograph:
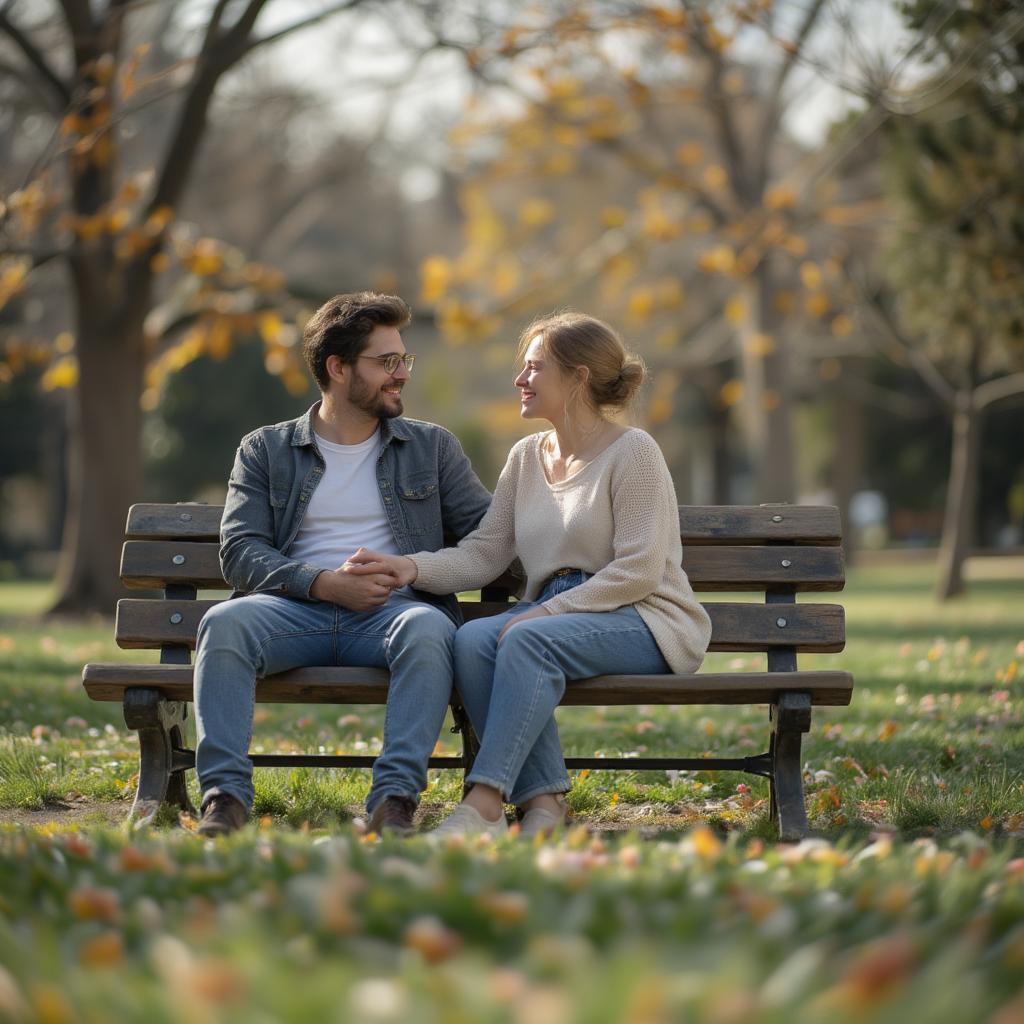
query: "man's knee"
224, 623
424, 626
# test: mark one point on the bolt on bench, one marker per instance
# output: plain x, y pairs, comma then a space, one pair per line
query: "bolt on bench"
779, 550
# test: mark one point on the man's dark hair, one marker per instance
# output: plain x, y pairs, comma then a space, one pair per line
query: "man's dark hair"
342, 326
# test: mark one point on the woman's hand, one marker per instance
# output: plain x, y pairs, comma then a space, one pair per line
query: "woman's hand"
402, 568
539, 612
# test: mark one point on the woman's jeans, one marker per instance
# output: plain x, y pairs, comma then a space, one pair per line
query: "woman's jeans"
260, 634
511, 689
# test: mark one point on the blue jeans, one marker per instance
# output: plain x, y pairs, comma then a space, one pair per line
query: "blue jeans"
260, 634
510, 690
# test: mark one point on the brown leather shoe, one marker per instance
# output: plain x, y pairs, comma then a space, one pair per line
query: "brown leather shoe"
222, 814
393, 814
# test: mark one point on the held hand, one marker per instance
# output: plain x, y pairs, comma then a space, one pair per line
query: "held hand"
539, 612
402, 568
353, 587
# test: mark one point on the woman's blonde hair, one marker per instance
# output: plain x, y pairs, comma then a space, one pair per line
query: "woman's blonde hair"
574, 340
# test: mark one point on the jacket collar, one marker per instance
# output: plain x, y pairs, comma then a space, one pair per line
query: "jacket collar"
392, 429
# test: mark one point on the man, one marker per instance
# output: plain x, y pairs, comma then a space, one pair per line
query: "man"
303, 496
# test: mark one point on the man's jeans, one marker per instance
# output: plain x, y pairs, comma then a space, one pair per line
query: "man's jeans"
510, 690
260, 634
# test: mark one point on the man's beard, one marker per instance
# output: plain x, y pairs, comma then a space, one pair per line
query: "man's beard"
371, 401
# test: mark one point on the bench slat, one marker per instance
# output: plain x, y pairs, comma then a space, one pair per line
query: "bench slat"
186, 520
152, 564
698, 524
810, 628
760, 524
369, 686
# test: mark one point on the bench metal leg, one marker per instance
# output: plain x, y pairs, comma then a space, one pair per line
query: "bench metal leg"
160, 725
791, 719
470, 743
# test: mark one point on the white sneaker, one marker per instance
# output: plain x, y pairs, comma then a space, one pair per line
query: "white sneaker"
466, 820
538, 821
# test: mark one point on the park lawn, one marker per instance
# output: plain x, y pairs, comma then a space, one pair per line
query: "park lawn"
933, 742
908, 905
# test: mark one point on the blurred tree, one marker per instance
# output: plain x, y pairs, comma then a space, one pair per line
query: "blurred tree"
114, 231
956, 251
644, 172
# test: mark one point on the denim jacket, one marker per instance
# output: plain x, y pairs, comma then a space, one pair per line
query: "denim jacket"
426, 482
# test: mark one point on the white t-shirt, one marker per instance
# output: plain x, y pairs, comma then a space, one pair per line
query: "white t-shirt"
346, 511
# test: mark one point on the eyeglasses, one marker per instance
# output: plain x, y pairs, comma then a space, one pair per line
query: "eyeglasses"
391, 360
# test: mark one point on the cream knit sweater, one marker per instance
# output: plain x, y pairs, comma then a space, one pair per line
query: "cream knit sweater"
616, 518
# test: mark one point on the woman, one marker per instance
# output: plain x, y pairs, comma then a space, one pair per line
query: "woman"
590, 510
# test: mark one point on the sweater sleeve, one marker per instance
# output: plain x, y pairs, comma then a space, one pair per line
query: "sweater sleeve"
482, 555
646, 528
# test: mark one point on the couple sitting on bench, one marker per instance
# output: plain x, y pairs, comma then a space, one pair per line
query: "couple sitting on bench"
334, 532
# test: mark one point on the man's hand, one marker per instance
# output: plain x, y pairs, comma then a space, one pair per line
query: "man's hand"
402, 568
539, 612
357, 586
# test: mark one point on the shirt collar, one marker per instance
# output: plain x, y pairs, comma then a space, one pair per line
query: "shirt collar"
391, 429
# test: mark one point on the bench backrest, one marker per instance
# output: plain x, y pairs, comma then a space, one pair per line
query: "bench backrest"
774, 550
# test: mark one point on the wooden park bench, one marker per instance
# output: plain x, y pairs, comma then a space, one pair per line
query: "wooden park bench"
777, 550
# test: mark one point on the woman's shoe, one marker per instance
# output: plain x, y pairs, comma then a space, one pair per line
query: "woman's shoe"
538, 821
466, 820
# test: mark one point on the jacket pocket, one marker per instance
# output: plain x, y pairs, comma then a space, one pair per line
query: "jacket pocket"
421, 506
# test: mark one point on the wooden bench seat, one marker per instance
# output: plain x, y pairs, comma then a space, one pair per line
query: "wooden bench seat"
774, 550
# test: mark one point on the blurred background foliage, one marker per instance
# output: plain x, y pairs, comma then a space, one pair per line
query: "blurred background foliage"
806, 215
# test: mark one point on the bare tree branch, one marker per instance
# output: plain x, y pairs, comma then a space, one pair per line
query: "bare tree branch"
871, 301
302, 23
37, 256
993, 391
79, 17
718, 102
773, 110
58, 87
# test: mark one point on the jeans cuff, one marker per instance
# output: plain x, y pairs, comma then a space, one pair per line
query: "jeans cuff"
486, 780
561, 786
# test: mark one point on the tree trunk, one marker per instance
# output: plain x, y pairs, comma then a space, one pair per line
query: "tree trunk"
847, 470
767, 407
104, 457
961, 497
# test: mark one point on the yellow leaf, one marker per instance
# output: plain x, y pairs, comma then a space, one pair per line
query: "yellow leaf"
780, 197
62, 374
759, 344
270, 325
507, 276
560, 163
435, 277
614, 216
219, 339
784, 302
830, 369
795, 245
666, 339
810, 274
731, 393
689, 154
817, 304
736, 310
715, 176
721, 259
64, 343
641, 304
842, 326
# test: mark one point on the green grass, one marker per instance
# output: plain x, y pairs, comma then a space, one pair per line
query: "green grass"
677, 905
